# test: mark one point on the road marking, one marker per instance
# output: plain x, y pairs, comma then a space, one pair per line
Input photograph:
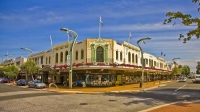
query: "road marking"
180, 87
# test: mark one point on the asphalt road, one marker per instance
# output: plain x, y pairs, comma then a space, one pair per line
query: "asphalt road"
20, 99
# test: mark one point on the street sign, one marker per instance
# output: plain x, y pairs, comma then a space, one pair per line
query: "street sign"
68, 59
68, 56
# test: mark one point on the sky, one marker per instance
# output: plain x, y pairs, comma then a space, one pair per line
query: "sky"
29, 24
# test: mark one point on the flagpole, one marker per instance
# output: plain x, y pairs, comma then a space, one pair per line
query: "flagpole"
52, 49
99, 26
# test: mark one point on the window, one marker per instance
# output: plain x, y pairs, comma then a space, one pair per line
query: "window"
56, 57
100, 54
146, 61
121, 56
154, 63
129, 57
46, 60
136, 58
116, 55
133, 58
49, 60
82, 54
41, 61
61, 57
76, 55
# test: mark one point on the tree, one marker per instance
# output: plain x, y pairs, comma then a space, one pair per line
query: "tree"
185, 70
198, 68
187, 20
30, 68
10, 71
176, 70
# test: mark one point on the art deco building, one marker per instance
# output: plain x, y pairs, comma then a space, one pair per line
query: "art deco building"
99, 62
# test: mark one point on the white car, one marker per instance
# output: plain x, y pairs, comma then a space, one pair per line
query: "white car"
196, 79
182, 79
36, 84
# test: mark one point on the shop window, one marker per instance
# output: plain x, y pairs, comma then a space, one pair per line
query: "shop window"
100, 54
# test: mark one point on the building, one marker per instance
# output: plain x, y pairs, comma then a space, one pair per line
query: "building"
15, 61
100, 62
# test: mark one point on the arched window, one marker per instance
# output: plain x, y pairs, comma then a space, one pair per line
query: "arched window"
121, 56
129, 57
56, 57
82, 54
132, 57
116, 55
46, 60
61, 57
76, 55
49, 60
100, 54
136, 58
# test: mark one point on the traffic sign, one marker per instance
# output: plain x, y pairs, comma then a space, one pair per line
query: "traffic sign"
68, 59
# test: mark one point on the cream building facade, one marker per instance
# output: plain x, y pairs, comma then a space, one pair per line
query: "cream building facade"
100, 62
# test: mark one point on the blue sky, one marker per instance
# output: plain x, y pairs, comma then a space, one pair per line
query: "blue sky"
29, 23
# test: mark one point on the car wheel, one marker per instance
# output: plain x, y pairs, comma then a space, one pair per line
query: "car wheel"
35, 87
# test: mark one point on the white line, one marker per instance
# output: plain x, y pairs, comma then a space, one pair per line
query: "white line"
180, 88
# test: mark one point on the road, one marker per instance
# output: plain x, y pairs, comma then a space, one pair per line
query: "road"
22, 99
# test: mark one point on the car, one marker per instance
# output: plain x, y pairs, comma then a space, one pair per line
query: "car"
196, 79
182, 79
36, 84
21, 82
5, 80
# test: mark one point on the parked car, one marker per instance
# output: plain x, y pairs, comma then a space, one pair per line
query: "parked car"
36, 84
21, 82
196, 79
5, 80
1, 79
182, 79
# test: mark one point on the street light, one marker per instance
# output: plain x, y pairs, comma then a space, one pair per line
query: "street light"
71, 52
23, 48
148, 38
176, 58
13, 58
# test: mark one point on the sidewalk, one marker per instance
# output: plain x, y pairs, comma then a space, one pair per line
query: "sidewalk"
116, 89
193, 106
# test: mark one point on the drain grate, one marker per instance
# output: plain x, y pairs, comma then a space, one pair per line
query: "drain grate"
83, 103
111, 100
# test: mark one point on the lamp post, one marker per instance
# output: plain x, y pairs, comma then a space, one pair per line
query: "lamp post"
13, 58
148, 38
173, 61
23, 48
71, 53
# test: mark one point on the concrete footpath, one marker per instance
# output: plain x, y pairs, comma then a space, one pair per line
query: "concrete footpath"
193, 106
